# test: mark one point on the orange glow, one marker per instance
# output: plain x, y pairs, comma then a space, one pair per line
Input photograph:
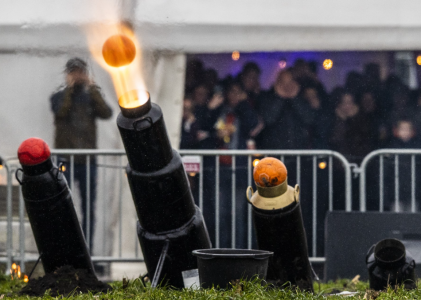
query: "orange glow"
1, 167
255, 162
63, 168
15, 272
118, 51
25, 278
235, 55
116, 48
419, 60
322, 165
327, 64
192, 174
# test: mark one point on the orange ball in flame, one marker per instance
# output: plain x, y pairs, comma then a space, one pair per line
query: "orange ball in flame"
270, 172
118, 50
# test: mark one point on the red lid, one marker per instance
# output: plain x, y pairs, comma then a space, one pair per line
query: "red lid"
33, 151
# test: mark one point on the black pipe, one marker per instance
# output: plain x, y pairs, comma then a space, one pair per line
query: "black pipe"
53, 218
389, 264
161, 194
281, 230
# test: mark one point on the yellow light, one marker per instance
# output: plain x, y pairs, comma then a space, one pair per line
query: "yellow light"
282, 64
235, 55
63, 168
192, 174
255, 162
419, 60
1, 167
25, 278
322, 165
327, 64
14, 266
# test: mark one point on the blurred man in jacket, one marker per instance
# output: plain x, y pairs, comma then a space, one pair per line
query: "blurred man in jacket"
75, 108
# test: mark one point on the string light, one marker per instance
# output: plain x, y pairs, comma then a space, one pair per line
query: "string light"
235, 55
419, 60
322, 165
282, 64
255, 162
327, 64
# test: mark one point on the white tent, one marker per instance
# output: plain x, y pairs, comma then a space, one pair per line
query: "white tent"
37, 38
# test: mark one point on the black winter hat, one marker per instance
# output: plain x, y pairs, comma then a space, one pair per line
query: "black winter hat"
75, 64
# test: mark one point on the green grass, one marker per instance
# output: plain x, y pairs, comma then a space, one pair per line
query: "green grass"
242, 290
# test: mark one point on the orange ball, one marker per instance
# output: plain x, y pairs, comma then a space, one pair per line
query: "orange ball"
270, 172
118, 50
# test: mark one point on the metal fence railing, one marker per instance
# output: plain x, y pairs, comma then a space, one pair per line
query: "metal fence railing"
303, 164
391, 163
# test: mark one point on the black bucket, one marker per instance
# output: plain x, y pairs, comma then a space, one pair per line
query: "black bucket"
218, 267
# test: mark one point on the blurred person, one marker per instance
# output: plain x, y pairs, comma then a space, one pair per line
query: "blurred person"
206, 111
355, 83
404, 137
379, 132
189, 126
400, 100
306, 75
76, 108
285, 115
372, 77
350, 137
250, 81
417, 112
235, 124
194, 74
350, 131
210, 79
318, 134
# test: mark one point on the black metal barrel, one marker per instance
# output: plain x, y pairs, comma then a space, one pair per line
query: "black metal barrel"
161, 194
282, 232
53, 219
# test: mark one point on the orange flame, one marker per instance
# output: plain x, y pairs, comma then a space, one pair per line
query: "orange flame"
25, 278
116, 48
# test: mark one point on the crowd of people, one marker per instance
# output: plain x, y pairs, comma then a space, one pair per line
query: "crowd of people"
297, 112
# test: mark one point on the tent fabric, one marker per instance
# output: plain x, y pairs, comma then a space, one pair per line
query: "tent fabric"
219, 25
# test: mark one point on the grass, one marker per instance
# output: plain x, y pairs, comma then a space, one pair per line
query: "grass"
134, 289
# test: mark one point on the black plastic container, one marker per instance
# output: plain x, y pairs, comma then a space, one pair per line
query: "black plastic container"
389, 264
219, 267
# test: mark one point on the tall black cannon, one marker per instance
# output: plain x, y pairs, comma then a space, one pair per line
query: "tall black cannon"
279, 225
50, 209
170, 226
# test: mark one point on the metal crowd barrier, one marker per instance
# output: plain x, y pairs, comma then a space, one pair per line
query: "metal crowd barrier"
381, 154
21, 257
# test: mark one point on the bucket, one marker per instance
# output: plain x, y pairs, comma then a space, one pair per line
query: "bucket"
218, 267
